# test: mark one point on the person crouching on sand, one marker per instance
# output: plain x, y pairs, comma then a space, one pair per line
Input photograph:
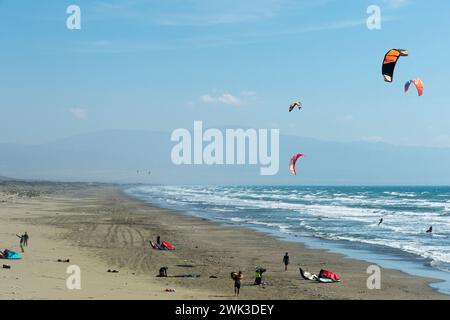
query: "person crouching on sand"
258, 275
286, 261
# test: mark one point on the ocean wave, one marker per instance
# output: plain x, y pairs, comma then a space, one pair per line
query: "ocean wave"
333, 213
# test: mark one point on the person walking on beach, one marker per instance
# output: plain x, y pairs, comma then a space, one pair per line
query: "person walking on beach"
237, 283
21, 242
286, 261
25, 239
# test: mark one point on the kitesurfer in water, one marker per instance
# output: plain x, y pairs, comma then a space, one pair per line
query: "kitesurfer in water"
381, 221
430, 229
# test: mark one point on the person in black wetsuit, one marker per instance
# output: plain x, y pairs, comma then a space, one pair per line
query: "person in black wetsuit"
286, 261
381, 221
430, 229
163, 272
25, 239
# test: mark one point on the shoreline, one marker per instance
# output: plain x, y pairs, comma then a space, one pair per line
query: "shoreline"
385, 256
101, 227
339, 247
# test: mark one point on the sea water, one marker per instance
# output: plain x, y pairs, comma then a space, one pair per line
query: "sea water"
341, 219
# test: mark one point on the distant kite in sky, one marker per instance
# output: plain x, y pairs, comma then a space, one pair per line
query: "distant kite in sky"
389, 62
293, 162
418, 83
295, 104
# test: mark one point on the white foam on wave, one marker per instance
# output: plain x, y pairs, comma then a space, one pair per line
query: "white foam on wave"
332, 215
401, 194
436, 255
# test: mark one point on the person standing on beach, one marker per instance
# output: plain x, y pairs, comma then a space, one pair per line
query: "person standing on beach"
286, 261
237, 283
25, 239
158, 240
21, 242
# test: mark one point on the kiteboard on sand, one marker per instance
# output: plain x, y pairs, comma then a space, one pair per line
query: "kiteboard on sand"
164, 246
307, 275
324, 276
167, 246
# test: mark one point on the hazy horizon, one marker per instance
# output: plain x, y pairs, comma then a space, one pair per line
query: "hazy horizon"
144, 157
146, 68
58, 139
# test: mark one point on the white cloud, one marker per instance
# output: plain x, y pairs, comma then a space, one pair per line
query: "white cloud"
206, 13
346, 118
78, 113
258, 36
199, 13
125, 46
182, 19
224, 98
395, 4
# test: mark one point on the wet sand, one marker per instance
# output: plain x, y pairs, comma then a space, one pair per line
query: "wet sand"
98, 228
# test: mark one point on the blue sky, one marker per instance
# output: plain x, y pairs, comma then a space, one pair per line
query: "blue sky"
160, 65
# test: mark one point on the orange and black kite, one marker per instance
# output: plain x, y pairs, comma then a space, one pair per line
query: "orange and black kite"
389, 62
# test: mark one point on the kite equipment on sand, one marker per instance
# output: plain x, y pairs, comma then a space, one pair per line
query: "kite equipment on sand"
167, 245
308, 275
11, 255
163, 246
324, 276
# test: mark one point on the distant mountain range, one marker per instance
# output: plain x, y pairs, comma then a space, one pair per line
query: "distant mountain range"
144, 157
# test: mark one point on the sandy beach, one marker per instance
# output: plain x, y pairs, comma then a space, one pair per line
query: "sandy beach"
98, 228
